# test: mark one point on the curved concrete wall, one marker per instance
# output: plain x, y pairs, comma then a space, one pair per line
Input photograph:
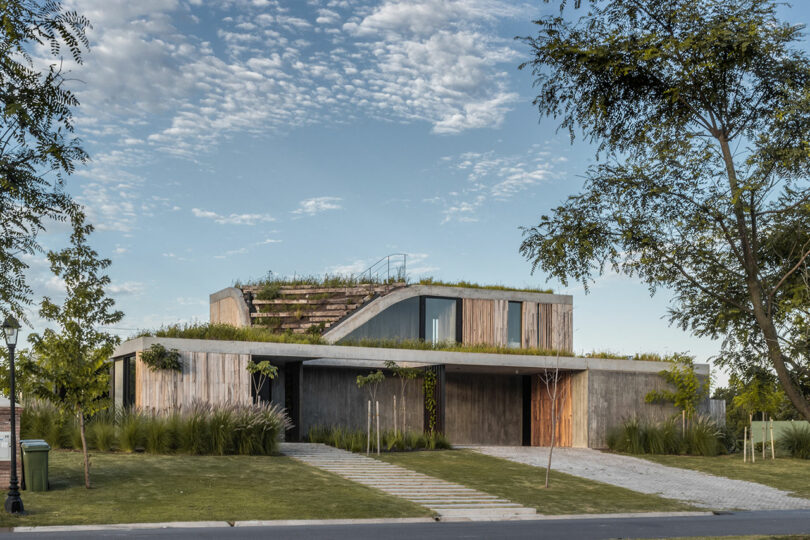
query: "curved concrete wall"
228, 307
374, 308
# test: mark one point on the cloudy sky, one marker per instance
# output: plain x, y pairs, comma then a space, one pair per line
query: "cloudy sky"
230, 138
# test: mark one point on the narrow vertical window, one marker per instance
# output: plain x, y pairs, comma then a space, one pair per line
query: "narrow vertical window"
514, 324
440, 320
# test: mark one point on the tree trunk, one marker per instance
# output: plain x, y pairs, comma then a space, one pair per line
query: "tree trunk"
84, 450
755, 290
553, 430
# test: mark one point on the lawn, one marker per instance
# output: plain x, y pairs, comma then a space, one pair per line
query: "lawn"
524, 484
789, 474
129, 488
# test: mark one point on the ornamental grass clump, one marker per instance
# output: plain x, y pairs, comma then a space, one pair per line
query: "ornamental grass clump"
701, 438
200, 429
390, 441
796, 441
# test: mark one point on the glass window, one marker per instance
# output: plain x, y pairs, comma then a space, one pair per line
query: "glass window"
129, 401
513, 324
440, 320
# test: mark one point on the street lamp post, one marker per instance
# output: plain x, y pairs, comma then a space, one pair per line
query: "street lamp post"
14, 504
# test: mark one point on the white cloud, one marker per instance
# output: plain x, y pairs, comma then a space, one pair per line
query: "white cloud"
127, 288
154, 80
317, 205
232, 219
268, 241
490, 177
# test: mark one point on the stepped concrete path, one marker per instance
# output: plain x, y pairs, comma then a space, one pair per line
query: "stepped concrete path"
448, 500
693, 487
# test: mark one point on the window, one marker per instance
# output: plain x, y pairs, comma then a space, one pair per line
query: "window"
440, 320
514, 325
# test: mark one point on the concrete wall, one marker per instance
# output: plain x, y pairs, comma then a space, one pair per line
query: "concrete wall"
331, 398
484, 409
616, 396
228, 307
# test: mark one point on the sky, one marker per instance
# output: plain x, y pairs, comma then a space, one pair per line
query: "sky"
229, 138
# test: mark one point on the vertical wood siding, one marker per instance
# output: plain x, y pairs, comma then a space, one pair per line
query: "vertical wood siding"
529, 333
219, 379
541, 413
500, 315
477, 322
563, 327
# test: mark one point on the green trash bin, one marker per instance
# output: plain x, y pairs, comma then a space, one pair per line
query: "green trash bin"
35, 464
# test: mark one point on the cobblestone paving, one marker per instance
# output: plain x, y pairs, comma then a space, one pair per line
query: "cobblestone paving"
697, 488
447, 499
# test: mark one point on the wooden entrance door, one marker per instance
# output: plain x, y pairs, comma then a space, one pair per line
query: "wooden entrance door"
541, 412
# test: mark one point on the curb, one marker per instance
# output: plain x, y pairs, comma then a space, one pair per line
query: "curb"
318, 522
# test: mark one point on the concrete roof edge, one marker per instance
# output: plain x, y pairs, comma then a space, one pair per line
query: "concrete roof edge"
346, 353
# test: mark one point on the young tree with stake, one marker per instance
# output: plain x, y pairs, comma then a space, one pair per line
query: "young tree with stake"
69, 366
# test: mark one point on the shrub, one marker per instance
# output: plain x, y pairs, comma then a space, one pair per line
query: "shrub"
355, 440
702, 437
222, 426
101, 435
131, 432
158, 435
194, 430
159, 357
796, 441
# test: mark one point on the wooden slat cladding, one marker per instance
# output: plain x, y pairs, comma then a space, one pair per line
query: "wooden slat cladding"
563, 327
529, 337
477, 322
500, 316
546, 326
541, 412
214, 378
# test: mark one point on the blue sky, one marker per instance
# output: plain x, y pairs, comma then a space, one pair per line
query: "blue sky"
233, 137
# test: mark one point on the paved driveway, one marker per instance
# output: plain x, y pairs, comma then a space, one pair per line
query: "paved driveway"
697, 488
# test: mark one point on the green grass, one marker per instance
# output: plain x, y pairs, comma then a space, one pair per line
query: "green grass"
524, 484
131, 488
789, 474
645, 356
450, 346
226, 332
470, 285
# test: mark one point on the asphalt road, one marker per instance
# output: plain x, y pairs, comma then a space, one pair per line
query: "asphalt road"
764, 522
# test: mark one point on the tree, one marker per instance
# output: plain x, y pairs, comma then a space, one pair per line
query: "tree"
37, 145
550, 378
260, 373
688, 390
70, 367
405, 375
700, 111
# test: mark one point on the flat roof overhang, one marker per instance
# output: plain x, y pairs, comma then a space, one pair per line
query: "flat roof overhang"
375, 357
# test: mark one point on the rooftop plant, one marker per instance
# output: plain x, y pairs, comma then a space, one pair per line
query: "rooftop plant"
226, 332
271, 284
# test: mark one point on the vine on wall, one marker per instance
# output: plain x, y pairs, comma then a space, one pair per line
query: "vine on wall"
430, 399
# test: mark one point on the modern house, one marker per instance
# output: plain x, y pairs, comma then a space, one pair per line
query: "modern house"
480, 397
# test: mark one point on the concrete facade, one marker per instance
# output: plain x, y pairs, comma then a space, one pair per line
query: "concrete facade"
484, 409
484, 393
340, 403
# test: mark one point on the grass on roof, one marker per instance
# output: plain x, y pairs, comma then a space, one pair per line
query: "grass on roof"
226, 332
470, 285
273, 282
326, 280
450, 346
645, 356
